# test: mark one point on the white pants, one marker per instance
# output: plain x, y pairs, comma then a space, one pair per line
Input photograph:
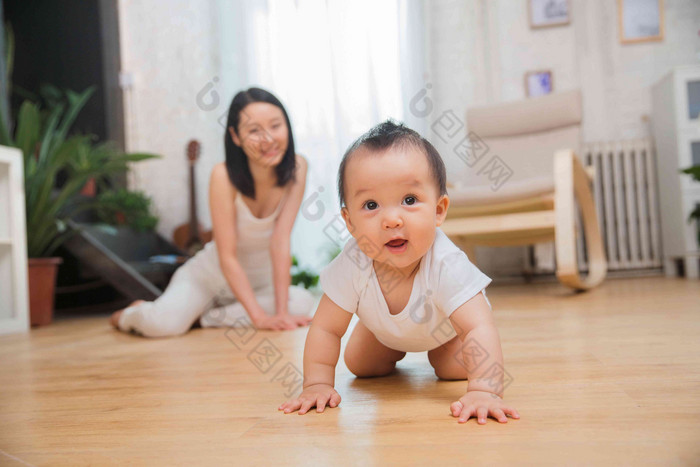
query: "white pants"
199, 290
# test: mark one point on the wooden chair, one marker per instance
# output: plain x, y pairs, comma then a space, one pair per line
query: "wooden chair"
522, 182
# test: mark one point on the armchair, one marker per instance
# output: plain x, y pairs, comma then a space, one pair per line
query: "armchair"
533, 142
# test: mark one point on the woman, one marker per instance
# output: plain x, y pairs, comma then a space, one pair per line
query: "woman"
254, 198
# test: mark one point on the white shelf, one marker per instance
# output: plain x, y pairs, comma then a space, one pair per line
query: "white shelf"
14, 299
674, 135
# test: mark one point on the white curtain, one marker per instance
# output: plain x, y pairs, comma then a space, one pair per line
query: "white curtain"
339, 68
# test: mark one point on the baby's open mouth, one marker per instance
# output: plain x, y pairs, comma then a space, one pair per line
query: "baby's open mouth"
397, 245
396, 242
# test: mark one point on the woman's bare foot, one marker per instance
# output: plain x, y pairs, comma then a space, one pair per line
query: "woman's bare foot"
114, 319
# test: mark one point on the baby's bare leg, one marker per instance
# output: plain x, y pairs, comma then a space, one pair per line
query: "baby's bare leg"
365, 356
447, 360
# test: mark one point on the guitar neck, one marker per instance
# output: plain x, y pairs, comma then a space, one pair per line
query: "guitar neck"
194, 231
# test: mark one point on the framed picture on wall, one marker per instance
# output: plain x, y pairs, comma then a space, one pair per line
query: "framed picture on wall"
640, 20
547, 13
538, 83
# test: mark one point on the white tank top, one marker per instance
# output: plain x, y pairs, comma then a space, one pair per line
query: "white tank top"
253, 241
252, 250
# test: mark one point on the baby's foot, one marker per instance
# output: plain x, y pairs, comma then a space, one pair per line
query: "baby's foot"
114, 319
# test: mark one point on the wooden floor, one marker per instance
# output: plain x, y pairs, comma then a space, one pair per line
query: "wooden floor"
606, 377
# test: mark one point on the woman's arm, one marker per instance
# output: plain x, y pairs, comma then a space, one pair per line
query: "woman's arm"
222, 194
280, 251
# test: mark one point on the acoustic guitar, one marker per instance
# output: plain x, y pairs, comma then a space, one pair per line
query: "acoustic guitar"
191, 236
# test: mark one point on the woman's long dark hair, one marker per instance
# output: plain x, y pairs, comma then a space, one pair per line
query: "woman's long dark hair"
236, 160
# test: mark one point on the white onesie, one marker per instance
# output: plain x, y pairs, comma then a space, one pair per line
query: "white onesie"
446, 279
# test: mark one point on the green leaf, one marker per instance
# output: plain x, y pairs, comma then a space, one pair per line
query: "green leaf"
694, 171
9, 53
76, 102
5, 138
28, 128
138, 157
695, 214
58, 241
49, 137
50, 94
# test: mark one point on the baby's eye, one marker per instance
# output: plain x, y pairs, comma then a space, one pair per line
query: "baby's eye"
410, 200
371, 205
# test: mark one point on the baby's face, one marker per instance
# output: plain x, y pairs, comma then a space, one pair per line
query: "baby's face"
393, 205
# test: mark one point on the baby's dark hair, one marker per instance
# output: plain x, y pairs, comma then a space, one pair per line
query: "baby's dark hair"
387, 135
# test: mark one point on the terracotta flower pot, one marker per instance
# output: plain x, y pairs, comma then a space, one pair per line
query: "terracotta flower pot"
42, 282
90, 188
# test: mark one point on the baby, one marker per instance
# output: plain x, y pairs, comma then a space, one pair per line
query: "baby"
412, 289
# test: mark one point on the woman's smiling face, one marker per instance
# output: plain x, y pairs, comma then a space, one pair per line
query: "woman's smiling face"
392, 204
262, 133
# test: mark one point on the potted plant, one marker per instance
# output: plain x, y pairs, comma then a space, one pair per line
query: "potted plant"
300, 276
126, 208
42, 136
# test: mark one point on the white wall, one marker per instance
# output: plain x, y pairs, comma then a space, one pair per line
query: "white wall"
481, 49
170, 51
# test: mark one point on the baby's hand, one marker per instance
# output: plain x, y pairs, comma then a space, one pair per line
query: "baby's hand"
480, 405
317, 395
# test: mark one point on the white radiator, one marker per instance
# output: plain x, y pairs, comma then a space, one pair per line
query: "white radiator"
625, 195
